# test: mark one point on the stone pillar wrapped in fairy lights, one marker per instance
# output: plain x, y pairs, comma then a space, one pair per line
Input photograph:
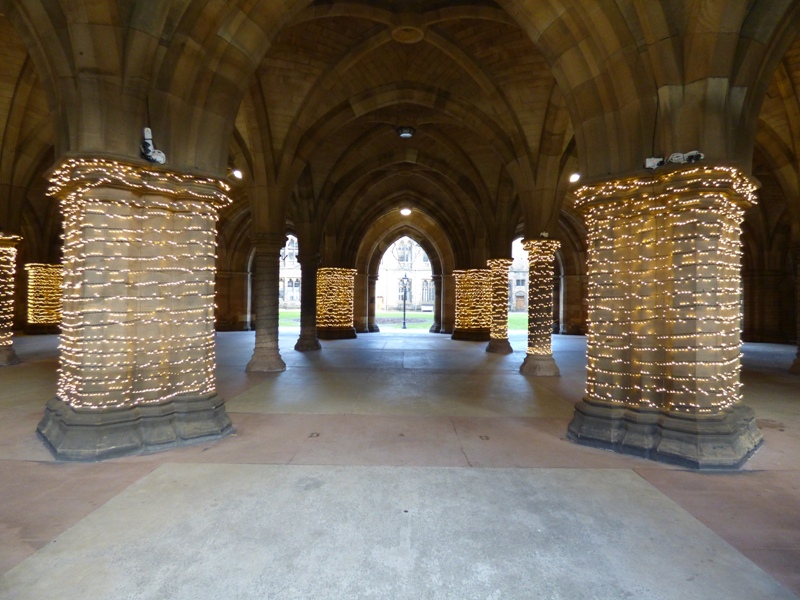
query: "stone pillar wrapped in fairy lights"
539, 359
8, 267
473, 305
498, 342
664, 318
137, 343
335, 303
308, 341
44, 297
372, 324
266, 354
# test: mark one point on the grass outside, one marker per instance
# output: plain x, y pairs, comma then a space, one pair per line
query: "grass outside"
517, 321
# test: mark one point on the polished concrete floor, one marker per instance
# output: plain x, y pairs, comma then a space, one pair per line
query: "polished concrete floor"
399, 464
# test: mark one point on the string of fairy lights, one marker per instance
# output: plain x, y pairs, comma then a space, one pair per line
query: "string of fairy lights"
8, 264
335, 297
664, 289
473, 298
139, 257
44, 293
499, 281
541, 270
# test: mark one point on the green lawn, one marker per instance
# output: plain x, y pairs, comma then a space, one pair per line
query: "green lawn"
517, 321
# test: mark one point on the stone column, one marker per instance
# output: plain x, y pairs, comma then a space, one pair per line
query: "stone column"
573, 317
448, 303
498, 342
795, 368
664, 314
437, 304
8, 266
539, 359
308, 342
266, 356
44, 298
335, 304
372, 325
473, 305
361, 303
137, 343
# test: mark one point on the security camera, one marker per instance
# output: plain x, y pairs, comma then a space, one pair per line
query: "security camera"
148, 149
653, 162
694, 156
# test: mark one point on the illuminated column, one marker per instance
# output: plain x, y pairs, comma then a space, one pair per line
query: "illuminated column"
8, 264
473, 305
498, 342
795, 368
539, 359
372, 325
137, 334
308, 342
437, 304
664, 313
335, 304
266, 355
44, 297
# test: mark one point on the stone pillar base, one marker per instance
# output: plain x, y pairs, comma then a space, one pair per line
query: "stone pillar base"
722, 441
435, 328
97, 434
472, 335
307, 344
336, 333
539, 366
266, 362
373, 329
8, 356
499, 346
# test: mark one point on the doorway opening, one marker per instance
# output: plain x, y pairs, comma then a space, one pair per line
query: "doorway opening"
404, 292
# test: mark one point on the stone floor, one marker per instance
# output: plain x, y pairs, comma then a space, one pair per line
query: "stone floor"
397, 465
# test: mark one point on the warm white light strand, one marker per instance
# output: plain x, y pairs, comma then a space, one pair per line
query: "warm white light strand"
139, 260
499, 278
44, 293
473, 299
335, 297
541, 270
664, 289
8, 265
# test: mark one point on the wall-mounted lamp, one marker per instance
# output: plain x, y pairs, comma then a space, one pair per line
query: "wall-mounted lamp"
237, 174
574, 177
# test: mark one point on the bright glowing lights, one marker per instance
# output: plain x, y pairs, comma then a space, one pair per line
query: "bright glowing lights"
8, 263
575, 177
473, 299
139, 263
664, 289
406, 132
335, 297
237, 174
499, 282
405, 211
44, 293
541, 266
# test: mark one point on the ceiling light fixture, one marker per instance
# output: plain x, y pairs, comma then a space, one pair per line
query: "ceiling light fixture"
574, 177
405, 211
405, 131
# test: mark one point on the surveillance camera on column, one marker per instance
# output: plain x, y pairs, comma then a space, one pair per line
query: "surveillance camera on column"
653, 162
